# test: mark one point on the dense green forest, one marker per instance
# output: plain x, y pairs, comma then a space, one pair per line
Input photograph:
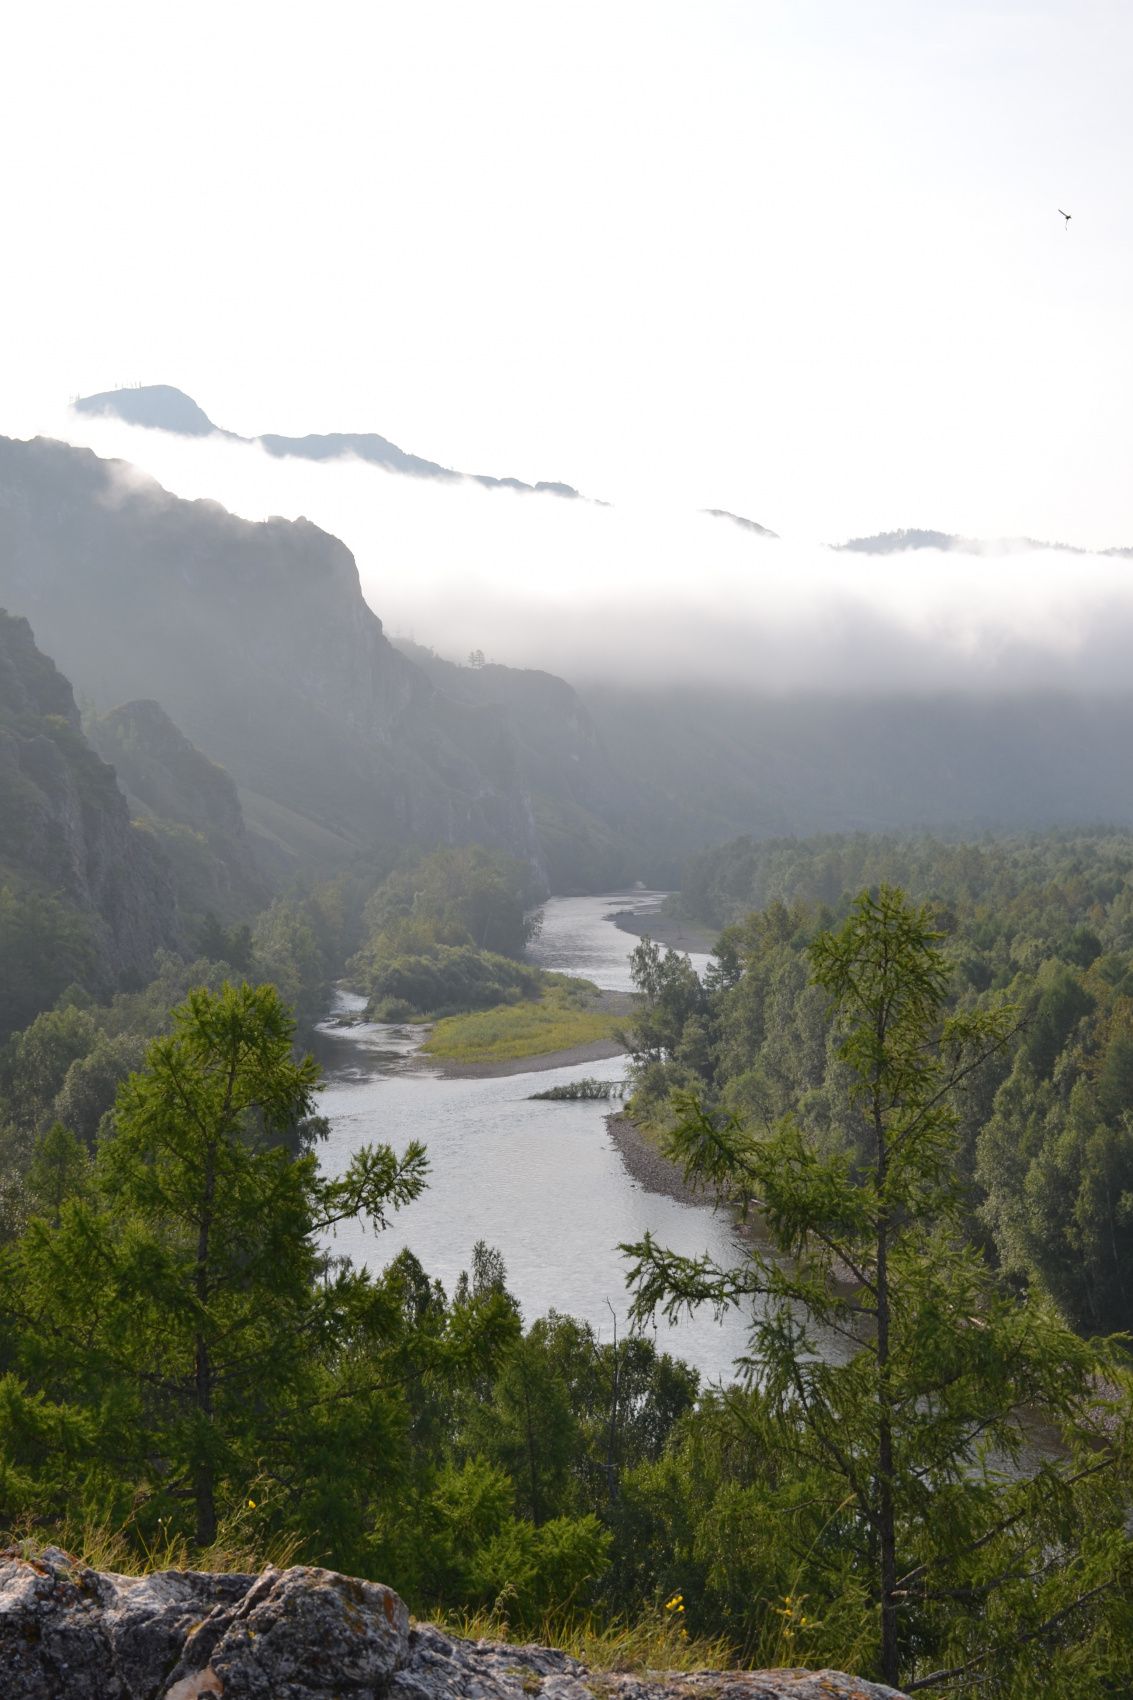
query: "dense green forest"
187, 1373
1046, 1135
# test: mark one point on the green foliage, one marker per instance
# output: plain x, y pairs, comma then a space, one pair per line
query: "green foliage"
575, 1091
443, 979
669, 1039
1051, 881
176, 1293
893, 1478
1045, 1139
45, 944
442, 933
462, 895
574, 1488
302, 940
287, 950
67, 1064
476, 1552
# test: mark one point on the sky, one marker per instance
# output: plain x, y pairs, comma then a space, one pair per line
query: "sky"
801, 260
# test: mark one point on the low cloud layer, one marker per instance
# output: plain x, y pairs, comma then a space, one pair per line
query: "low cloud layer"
661, 594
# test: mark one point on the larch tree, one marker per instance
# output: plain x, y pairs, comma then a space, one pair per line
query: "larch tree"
913, 1432
185, 1297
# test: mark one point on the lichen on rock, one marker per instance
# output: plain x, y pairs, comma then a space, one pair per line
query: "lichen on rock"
70, 1633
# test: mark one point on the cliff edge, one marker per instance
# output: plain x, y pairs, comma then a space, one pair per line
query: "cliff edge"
299, 1634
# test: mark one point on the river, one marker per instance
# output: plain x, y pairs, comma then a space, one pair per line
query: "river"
542, 1182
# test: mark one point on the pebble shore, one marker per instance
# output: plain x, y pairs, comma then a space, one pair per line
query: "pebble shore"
647, 1165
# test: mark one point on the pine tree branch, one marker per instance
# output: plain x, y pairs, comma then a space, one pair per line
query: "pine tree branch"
959, 1671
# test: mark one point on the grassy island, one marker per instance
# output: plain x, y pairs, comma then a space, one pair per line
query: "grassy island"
566, 1013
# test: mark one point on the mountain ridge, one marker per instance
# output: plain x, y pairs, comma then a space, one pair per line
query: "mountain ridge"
163, 407
950, 542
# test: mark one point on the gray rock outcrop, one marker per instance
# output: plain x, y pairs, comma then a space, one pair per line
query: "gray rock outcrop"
69, 1633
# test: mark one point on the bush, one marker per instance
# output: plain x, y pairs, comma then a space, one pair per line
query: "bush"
445, 979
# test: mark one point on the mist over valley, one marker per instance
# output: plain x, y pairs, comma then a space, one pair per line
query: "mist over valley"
641, 684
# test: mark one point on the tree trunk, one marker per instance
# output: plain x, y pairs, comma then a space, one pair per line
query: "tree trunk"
612, 1431
203, 1479
536, 1498
886, 1517
203, 1485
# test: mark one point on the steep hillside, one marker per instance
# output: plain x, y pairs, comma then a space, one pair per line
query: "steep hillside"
83, 895
189, 803
582, 804
256, 639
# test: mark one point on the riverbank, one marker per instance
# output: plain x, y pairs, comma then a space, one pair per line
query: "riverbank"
683, 936
645, 1162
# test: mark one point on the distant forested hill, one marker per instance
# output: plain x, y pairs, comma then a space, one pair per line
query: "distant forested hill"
709, 765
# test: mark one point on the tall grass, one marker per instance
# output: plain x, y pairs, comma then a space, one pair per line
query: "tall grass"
126, 1549
555, 1022
655, 1640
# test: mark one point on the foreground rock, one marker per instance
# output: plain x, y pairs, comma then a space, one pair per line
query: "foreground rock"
68, 1633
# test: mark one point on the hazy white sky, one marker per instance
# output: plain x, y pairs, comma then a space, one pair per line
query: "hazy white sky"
798, 258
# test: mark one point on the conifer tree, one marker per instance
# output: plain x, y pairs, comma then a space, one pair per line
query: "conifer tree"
184, 1296
914, 1446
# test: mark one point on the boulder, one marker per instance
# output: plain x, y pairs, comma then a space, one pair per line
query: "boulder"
70, 1633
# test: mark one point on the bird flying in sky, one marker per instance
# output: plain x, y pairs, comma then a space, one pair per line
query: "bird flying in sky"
1067, 217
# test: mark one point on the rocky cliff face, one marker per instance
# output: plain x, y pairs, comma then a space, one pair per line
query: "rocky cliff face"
256, 639
300, 1634
65, 830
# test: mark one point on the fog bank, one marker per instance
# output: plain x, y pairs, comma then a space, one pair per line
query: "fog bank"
654, 593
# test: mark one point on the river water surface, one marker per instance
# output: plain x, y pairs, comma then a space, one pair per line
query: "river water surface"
542, 1182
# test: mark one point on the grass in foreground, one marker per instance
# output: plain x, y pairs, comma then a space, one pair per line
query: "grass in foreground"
557, 1021
128, 1551
653, 1641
